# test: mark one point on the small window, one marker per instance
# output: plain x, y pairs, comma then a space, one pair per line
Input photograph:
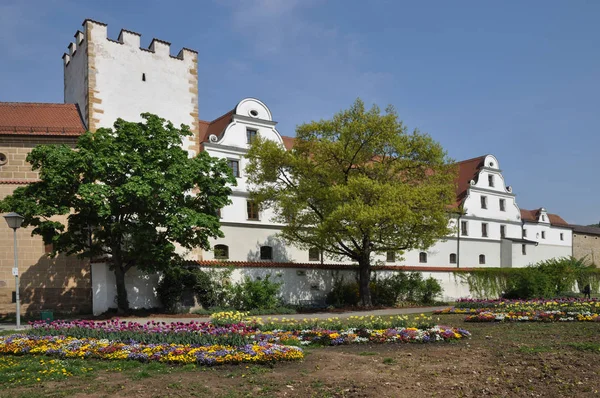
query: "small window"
452, 258
503, 231
3, 159
543, 234
254, 113
543, 218
484, 230
391, 257
464, 228
484, 202
250, 135
490, 180
562, 236
266, 253
524, 232
482, 259
252, 208
524, 249
234, 165
314, 254
143, 77
422, 257
221, 252
502, 205
219, 213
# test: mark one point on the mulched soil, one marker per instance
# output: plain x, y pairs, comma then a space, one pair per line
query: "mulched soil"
500, 360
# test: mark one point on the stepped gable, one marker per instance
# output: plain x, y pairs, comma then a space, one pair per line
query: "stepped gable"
27, 118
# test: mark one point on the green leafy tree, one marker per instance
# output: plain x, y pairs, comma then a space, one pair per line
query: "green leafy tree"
355, 185
130, 193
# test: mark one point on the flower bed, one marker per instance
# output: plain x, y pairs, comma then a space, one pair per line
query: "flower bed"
70, 347
292, 332
564, 305
536, 316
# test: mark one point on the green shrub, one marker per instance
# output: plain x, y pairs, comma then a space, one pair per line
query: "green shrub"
430, 290
172, 287
253, 294
546, 279
212, 288
342, 294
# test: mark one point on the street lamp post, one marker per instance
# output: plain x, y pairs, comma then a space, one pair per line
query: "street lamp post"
14, 221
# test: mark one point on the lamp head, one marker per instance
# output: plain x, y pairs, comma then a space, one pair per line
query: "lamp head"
14, 220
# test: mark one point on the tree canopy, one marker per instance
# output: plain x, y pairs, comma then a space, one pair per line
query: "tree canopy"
130, 193
355, 185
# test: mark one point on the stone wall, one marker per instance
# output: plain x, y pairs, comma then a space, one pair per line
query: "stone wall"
62, 283
587, 246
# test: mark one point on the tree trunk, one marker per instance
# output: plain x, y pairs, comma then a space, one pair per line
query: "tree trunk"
364, 277
122, 301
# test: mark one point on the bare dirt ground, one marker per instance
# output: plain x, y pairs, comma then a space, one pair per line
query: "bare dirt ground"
500, 360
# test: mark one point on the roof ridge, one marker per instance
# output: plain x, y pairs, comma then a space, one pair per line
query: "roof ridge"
470, 160
36, 103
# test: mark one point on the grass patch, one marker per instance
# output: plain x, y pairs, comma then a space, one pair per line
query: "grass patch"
389, 361
594, 347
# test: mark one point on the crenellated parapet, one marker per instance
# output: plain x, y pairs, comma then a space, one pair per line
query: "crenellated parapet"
99, 31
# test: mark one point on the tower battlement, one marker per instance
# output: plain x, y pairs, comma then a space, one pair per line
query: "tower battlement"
96, 31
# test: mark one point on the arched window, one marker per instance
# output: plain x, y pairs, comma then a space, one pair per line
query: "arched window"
221, 252
422, 257
391, 257
314, 254
482, 259
452, 258
266, 253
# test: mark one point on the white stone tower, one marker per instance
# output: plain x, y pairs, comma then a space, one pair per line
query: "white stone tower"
109, 79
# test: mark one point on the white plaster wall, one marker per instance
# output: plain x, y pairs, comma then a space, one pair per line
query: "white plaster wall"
75, 78
534, 233
141, 289
167, 91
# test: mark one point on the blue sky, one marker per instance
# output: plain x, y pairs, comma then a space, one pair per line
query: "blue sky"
520, 80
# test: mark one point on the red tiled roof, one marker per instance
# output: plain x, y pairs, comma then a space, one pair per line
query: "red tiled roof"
26, 118
467, 171
18, 182
215, 127
288, 142
534, 215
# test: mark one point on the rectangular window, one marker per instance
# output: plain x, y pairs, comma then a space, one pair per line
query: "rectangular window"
252, 208
391, 257
234, 165
562, 236
250, 135
484, 230
484, 202
543, 234
464, 230
502, 205
219, 213
503, 231
490, 180
524, 249
524, 233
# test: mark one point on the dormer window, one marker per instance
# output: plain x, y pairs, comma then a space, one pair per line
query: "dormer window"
491, 180
250, 135
543, 217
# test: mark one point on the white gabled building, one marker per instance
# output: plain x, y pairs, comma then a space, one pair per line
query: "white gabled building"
493, 230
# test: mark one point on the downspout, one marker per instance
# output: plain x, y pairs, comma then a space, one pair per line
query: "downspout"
458, 243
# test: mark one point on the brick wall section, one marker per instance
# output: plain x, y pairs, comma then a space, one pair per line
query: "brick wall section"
61, 283
587, 246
